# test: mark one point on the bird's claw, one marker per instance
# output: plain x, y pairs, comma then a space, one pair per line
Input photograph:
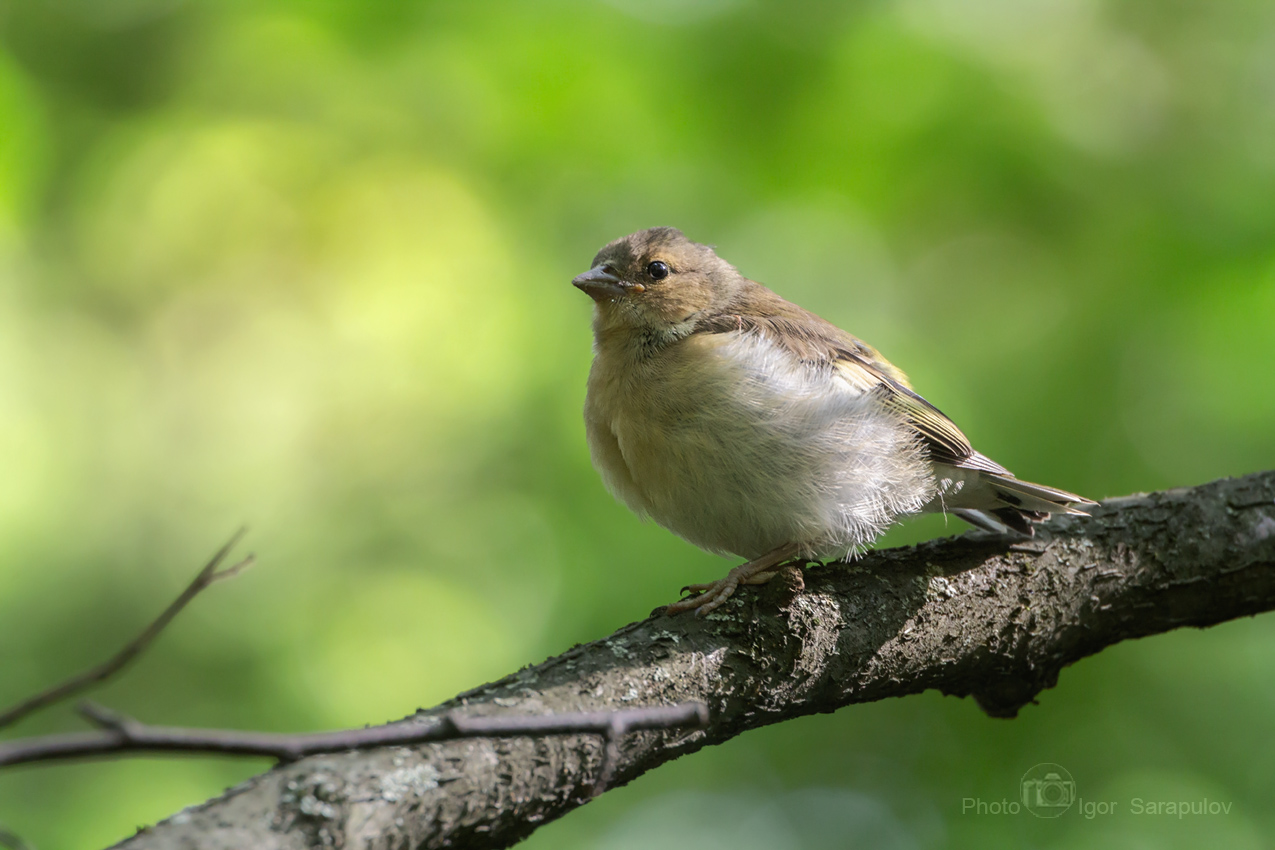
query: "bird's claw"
708, 597
705, 598
696, 589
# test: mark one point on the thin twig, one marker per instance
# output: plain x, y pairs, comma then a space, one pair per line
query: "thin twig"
121, 735
12, 840
610, 754
96, 675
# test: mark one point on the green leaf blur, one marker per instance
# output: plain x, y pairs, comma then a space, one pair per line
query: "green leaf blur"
305, 266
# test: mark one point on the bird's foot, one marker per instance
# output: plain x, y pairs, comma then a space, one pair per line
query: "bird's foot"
707, 597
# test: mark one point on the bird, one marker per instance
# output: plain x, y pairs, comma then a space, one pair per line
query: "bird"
752, 427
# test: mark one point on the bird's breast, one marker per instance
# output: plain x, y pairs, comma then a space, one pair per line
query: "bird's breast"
734, 444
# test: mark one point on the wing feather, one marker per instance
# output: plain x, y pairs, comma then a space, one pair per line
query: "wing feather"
817, 341
945, 442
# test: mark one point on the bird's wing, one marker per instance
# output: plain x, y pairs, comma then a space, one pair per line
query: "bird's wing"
815, 340
945, 442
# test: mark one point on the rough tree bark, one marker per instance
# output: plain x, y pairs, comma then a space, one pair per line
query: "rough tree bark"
973, 615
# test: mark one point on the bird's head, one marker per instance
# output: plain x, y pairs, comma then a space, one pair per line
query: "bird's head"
656, 281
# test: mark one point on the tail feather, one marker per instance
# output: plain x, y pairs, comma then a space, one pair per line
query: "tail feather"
1027, 497
997, 501
981, 519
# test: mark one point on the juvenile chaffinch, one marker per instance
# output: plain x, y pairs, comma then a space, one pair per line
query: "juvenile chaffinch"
749, 426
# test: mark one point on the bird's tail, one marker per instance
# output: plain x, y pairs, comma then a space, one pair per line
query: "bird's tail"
997, 501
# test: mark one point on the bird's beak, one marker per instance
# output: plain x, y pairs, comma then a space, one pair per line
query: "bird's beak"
600, 284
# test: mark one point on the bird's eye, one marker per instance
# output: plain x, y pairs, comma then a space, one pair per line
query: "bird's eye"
657, 270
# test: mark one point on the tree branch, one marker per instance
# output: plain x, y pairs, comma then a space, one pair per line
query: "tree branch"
974, 615
96, 675
122, 735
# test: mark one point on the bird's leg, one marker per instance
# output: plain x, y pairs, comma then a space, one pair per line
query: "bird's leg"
757, 571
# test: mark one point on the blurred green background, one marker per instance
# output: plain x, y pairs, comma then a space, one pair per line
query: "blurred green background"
305, 264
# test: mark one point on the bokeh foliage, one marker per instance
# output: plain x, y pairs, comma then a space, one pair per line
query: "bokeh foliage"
304, 264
